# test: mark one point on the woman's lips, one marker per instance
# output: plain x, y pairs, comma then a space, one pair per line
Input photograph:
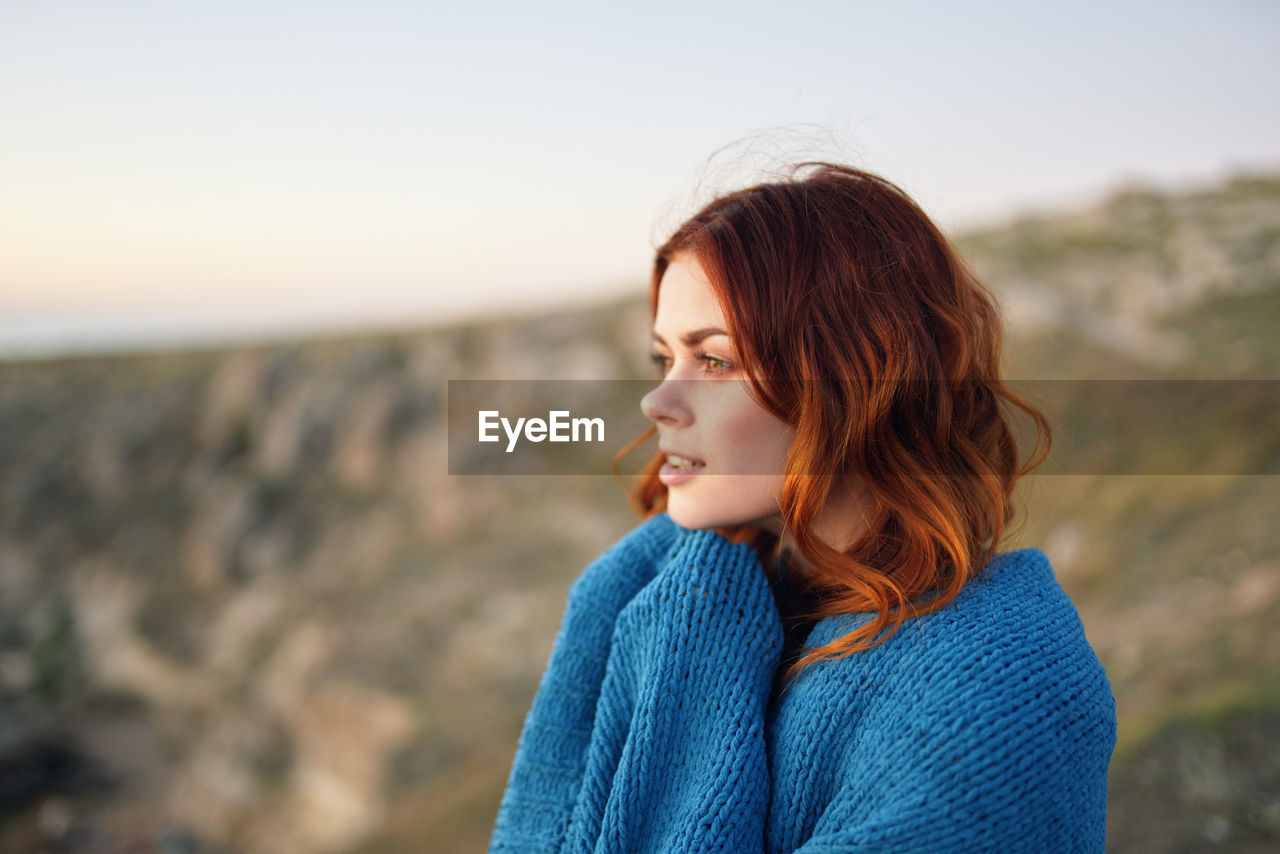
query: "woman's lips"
678, 469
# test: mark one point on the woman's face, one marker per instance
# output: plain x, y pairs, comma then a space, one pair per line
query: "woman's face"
734, 450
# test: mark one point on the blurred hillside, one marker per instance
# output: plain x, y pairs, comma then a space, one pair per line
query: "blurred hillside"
244, 607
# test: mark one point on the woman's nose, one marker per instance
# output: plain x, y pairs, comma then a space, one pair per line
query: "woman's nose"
667, 404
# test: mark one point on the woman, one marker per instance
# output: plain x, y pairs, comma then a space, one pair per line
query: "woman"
811, 643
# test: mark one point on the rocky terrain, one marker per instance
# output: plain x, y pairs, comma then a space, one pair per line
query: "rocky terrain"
244, 606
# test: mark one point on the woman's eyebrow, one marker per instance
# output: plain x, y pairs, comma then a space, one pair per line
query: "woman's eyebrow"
693, 337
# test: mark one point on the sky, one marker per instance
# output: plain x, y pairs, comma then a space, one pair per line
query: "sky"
187, 173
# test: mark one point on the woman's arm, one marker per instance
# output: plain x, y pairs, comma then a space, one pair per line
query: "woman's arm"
547, 771
678, 759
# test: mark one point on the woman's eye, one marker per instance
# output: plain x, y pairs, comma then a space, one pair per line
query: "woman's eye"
715, 365
712, 364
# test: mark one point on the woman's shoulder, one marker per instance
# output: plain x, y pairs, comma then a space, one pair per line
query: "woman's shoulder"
997, 696
1012, 605
1002, 669
1011, 623
1016, 591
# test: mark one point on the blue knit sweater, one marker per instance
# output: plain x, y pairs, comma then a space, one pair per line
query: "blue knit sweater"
985, 726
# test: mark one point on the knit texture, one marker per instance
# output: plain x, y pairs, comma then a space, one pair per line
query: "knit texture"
985, 726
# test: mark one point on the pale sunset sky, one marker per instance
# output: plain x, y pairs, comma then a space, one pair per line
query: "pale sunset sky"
187, 173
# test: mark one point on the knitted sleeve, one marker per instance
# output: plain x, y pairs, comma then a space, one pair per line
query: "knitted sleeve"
546, 773
678, 759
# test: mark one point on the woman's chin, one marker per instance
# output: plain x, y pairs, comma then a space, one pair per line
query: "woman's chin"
684, 518
698, 519
689, 517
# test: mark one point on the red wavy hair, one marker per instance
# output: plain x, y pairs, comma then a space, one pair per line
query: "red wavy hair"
835, 278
